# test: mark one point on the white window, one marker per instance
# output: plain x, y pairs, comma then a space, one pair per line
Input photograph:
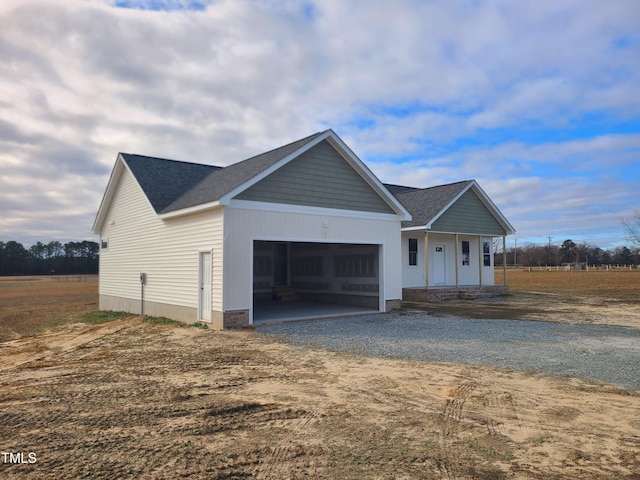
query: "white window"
465, 253
486, 253
413, 252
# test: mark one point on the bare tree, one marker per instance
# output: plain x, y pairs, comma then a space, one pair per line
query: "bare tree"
632, 225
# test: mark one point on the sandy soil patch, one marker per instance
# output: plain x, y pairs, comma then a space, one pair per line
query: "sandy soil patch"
139, 400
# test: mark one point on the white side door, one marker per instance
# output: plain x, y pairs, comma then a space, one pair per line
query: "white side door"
204, 306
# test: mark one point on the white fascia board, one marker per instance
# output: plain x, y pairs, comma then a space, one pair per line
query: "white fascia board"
368, 176
190, 210
493, 235
109, 192
414, 229
226, 199
269, 238
307, 210
139, 186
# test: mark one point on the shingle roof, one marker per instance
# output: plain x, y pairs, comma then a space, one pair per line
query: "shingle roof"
165, 181
425, 203
172, 185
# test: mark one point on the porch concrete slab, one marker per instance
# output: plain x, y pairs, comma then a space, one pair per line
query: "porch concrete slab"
275, 311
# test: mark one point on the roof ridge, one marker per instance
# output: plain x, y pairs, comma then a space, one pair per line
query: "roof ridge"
408, 190
304, 140
151, 157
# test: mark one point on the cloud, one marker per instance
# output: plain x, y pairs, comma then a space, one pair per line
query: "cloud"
424, 92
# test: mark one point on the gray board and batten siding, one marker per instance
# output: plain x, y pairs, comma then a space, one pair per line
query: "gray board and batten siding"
319, 177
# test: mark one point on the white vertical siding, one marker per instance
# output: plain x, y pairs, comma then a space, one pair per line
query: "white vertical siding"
243, 225
166, 250
487, 272
413, 276
468, 275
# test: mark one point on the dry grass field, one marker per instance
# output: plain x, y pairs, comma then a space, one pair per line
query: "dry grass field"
31, 305
84, 395
619, 285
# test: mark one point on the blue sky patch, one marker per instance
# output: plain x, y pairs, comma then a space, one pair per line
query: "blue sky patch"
162, 5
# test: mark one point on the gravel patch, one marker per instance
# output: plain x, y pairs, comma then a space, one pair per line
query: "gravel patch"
597, 352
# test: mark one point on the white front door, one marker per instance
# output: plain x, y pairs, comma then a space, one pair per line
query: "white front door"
205, 286
439, 265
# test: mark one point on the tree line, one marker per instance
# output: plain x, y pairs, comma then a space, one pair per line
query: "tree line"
53, 258
569, 253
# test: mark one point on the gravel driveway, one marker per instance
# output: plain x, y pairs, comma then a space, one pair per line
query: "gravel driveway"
597, 352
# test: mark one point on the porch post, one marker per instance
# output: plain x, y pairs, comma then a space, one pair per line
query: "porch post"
480, 258
426, 259
504, 260
457, 273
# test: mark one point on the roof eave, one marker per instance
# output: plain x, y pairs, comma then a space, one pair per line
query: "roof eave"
109, 192
191, 210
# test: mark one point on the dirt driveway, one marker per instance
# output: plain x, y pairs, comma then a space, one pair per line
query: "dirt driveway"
134, 399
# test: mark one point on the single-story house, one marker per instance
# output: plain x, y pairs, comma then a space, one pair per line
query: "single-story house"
302, 230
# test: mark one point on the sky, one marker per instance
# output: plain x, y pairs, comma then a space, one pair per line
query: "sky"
537, 101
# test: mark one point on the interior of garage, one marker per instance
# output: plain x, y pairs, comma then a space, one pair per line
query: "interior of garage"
299, 280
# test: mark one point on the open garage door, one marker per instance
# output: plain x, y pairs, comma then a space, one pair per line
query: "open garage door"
296, 280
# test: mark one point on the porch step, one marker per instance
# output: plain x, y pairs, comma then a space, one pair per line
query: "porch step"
284, 293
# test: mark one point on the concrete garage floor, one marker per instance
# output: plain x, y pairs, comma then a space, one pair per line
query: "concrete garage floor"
265, 311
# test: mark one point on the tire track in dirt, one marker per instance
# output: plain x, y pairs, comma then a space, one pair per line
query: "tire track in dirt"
499, 406
272, 465
46, 347
451, 416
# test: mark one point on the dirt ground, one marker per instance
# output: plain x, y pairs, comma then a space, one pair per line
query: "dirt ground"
135, 398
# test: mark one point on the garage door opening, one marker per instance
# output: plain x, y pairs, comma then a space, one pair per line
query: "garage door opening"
298, 280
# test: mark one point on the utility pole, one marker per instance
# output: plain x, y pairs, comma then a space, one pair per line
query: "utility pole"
549, 250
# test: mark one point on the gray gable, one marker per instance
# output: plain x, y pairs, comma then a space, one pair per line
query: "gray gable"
425, 203
319, 177
469, 215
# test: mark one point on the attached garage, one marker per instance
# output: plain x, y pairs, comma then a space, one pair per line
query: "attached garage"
308, 279
303, 230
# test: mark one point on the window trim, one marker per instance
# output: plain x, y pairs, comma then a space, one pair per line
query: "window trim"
466, 256
413, 254
486, 253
